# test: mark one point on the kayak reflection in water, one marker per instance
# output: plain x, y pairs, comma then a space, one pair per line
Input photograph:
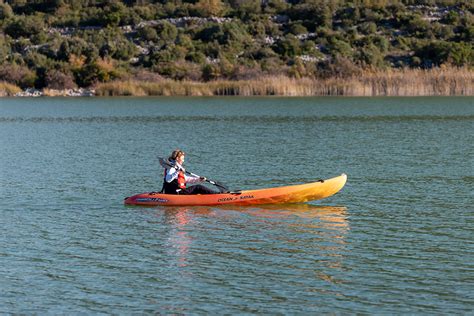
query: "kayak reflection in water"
175, 179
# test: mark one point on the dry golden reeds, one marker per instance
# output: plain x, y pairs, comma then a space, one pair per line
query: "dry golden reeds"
393, 82
8, 89
416, 82
443, 81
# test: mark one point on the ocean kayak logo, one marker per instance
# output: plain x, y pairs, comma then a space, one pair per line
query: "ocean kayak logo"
159, 200
233, 199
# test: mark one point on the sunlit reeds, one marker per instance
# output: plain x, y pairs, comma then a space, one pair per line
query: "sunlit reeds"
443, 81
393, 82
8, 90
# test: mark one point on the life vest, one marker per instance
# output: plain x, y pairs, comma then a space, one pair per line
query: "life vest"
181, 180
174, 186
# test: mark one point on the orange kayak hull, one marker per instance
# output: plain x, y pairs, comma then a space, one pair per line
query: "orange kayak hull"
287, 194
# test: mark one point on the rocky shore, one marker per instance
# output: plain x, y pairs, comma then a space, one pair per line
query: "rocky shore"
80, 92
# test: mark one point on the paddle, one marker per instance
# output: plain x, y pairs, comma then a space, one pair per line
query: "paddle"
166, 164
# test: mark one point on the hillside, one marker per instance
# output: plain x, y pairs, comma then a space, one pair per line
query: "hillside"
62, 44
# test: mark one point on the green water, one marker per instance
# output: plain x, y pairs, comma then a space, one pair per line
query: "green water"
397, 239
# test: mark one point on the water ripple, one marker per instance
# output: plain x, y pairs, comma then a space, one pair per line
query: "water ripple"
237, 119
397, 239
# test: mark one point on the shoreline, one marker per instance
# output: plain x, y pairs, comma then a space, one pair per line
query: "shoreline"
393, 82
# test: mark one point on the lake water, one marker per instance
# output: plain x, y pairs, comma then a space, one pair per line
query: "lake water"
399, 238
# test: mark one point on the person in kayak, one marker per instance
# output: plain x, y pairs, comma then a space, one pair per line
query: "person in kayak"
175, 180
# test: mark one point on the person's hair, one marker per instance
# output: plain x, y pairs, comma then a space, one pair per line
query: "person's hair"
175, 154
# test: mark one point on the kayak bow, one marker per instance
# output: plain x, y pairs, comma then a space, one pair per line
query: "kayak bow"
287, 194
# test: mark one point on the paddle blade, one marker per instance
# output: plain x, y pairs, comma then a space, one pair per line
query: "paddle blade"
165, 163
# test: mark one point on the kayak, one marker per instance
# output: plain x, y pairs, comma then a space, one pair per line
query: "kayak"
286, 194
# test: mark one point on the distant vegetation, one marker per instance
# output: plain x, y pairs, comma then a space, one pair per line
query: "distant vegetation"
65, 44
400, 82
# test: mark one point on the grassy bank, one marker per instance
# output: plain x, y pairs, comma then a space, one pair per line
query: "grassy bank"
8, 90
406, 82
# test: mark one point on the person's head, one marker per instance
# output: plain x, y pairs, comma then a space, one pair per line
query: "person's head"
178, 156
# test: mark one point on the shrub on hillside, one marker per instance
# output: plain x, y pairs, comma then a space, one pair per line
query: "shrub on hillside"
18, 75
178, 70
223, 33
91, 74
167, 32
288, 46
370, 55
147, 33
210, 72
58, 80
245, 9
437, 53
5, 11
274, 6
246, 73
208, 8
339, 67
24, 26
5, 49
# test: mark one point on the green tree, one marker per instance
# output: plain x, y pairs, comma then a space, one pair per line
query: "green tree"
25, 26
147, 33
368, 28
297, 69
196, 57
275, 6
167, 32
349, 16
339, 67
452, 18
90, 74
56, 79
260, 53
210, 72
288, 47
437, 53
147, 12
338, 47
211, 32
226, 67
461, 54
18, 75
114, 14
245, 9
208, 8
184, 40
5, 49
314, 12
370, 55
297, 28
6, 11
74, 46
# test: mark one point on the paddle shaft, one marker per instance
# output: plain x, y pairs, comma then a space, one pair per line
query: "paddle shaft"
167, 164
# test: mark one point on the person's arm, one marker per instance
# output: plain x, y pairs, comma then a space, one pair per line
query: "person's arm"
171, 174
193, 179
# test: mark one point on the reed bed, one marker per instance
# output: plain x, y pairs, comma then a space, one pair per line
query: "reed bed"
443, 81
8, 89
393, 82
410, 82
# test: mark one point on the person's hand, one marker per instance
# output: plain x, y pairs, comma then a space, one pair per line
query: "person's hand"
203, 178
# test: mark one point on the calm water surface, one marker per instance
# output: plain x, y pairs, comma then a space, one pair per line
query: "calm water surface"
397, 239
